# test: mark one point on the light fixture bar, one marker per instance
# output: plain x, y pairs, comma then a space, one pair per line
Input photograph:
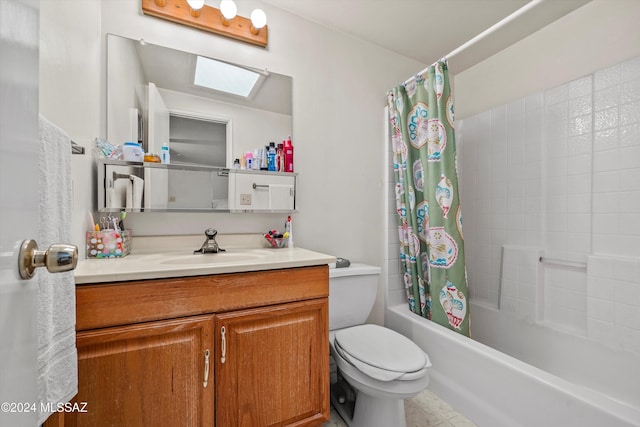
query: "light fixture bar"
210, 19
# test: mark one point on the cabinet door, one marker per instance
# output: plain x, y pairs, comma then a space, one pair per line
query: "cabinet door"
147, 374
272, 365
261, 191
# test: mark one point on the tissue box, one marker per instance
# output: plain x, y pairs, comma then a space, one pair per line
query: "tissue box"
108, 243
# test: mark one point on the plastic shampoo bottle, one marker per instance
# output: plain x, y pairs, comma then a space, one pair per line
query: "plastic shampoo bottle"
288, 156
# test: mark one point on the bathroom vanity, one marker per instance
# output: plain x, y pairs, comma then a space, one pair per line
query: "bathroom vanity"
242, 341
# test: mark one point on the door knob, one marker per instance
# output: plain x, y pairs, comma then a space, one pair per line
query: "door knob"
57, 258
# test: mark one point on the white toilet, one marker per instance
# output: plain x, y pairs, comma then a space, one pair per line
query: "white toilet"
380, 366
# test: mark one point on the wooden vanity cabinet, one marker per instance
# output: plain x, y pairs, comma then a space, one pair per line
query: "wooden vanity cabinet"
271, 369
149, 374
241, 349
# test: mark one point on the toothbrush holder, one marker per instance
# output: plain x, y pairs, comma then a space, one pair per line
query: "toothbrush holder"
108, 243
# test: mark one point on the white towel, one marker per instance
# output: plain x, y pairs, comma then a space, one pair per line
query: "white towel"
138, 190
57, 355
121, 195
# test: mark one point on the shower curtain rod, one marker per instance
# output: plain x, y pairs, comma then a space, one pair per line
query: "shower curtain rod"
524, 9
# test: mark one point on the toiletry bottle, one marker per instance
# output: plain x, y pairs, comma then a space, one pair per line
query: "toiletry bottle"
248, 156
288, 156
165, 155
264, 165
271, 157
288, 227
280, 157
236, 164
256, 159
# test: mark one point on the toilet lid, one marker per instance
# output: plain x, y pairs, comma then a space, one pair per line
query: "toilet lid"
380, 352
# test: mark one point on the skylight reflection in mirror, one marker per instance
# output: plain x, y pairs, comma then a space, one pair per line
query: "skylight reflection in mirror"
225, 77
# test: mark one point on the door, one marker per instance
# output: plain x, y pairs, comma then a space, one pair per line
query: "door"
147, 374
19, 52
272, 367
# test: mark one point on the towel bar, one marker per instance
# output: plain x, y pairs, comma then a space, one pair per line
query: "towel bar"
564, 262
76, 149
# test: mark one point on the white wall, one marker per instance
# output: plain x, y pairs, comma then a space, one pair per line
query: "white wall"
339, 89
72, 90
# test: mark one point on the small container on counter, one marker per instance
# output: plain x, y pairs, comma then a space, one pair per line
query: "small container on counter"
151, 158
132, 152
276, 242
108, 243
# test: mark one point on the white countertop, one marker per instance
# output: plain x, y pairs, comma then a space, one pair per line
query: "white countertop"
172, 256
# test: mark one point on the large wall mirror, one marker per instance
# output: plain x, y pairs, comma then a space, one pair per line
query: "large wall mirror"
209, 111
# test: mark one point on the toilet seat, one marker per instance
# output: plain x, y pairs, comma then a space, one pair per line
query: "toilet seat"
381, 353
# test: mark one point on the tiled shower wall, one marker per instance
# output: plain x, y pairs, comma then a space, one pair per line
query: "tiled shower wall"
560, 171
395, 293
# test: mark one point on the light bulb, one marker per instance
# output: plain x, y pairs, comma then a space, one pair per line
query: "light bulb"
229, 9
258, 20
195, 6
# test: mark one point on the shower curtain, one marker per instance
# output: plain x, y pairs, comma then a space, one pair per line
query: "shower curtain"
427, 202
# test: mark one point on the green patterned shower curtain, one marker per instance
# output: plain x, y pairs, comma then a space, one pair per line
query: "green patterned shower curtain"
427, 202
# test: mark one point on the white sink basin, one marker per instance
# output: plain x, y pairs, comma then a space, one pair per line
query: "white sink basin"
231, 256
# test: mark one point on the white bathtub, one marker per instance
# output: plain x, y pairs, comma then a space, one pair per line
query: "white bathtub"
496, 390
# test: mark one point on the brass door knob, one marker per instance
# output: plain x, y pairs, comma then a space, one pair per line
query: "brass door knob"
58, 258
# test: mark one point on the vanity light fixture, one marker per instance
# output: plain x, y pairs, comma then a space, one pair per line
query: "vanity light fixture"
223, 21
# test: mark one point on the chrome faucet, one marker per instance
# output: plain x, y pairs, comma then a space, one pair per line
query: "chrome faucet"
210, 246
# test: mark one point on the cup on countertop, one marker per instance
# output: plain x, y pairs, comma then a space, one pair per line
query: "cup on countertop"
132, 152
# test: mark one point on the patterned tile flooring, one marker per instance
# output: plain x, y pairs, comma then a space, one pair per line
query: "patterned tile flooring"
424, 410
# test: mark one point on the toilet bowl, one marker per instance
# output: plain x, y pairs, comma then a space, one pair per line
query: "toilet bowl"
380, 365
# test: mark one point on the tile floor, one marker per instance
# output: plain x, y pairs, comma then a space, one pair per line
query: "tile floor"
424, 410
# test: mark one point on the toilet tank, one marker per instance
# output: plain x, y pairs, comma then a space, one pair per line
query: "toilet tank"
352, 292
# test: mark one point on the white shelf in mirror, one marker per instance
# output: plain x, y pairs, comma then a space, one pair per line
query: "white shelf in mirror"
188, 187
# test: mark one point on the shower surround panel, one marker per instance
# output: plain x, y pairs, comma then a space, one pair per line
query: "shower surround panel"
559, 171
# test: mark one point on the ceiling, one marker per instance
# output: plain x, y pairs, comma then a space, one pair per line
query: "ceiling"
427, 30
